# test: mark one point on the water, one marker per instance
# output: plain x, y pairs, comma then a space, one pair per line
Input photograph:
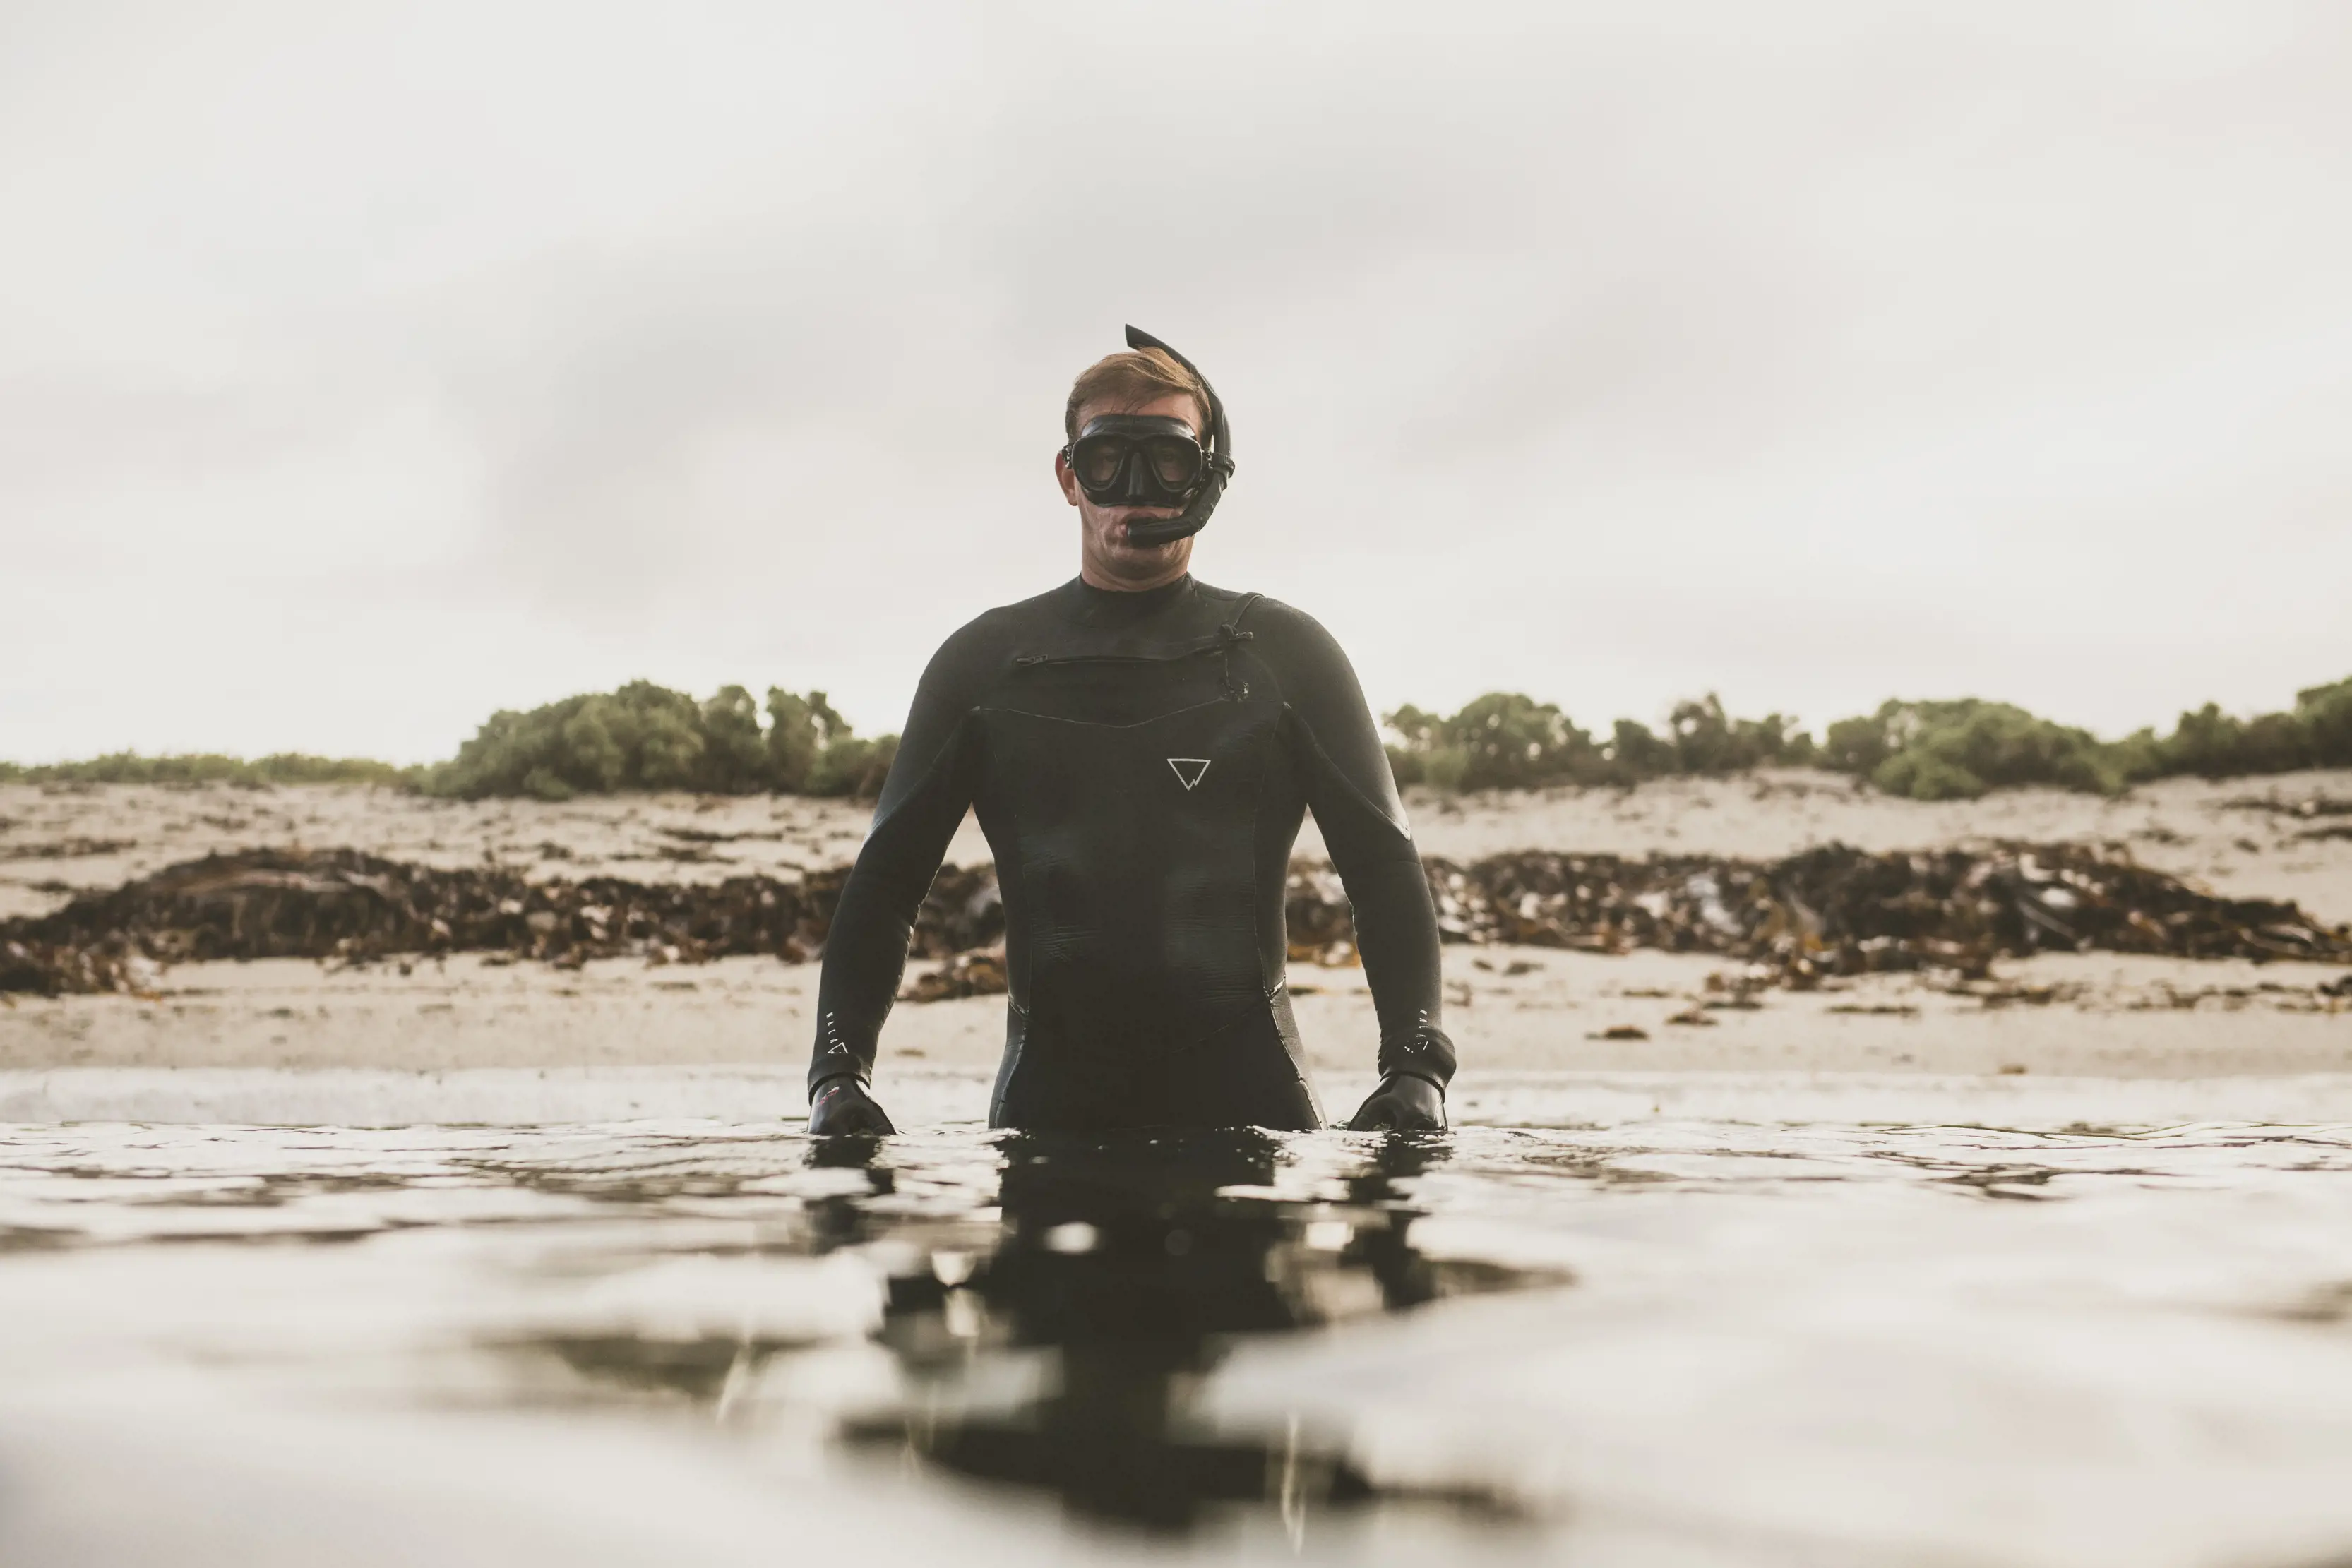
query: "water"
1641, 1336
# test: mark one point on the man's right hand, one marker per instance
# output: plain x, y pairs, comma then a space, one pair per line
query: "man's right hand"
842, 1106
1402, 1104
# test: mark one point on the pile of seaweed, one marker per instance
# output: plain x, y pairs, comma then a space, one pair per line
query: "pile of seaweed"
1837, 910
1829, 911
346, 907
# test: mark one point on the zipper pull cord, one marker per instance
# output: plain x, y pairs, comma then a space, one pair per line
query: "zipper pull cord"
1228, 635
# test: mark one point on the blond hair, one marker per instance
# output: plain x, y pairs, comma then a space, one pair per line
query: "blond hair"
1130, 378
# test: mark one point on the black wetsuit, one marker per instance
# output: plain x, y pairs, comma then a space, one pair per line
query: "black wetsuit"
1140, 763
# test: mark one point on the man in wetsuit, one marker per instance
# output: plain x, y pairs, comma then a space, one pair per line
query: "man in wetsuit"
1140, 748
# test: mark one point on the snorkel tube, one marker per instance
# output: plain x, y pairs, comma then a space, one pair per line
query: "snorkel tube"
1219, 448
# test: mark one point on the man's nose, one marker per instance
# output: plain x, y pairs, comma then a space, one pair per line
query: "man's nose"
1137, 494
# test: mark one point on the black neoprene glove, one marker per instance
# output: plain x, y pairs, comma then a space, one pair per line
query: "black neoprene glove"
842, 1105
1402, 1104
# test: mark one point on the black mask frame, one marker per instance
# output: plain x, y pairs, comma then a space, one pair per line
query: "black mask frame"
1136, 460
1199, 499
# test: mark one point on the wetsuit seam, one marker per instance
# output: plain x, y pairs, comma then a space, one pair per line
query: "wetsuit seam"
1257, 927
1097, 724
1211, 643
1403, 834
945, 759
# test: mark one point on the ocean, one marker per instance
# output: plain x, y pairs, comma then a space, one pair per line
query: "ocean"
257, 1318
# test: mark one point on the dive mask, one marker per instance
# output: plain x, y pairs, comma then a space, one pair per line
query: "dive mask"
1138, 460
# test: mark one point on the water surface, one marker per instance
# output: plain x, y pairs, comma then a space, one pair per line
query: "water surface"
1651, 1338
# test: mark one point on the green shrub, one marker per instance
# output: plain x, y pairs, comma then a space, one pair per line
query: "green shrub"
799, 729
1959, 749
2325, 716
853, 767
1857, 745
734, 750
1502, 740
642, 736
645, 736
1507, 740
1633, 754
2316, 733
2217, 745
1708, 740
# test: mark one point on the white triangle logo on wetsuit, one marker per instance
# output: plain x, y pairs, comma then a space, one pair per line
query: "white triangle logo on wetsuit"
1188, 770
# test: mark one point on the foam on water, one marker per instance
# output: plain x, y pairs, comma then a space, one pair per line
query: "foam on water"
1701, 1320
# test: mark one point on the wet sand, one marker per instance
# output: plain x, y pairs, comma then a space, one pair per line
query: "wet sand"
1512, 1010
2095, 1014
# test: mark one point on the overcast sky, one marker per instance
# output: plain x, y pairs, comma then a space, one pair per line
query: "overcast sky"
364, 369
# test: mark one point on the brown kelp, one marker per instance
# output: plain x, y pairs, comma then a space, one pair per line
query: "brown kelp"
1837, 910
347, 908
1829, 911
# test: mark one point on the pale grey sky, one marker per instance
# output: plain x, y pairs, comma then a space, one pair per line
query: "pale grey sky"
364, 368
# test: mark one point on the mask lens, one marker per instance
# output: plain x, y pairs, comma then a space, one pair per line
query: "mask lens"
1175, 463
1098, 460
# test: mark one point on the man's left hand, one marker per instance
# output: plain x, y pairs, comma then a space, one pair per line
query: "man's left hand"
1402, 1104
841, 1105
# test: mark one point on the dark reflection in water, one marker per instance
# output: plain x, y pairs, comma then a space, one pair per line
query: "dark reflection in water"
1059, 1337
1121, 1269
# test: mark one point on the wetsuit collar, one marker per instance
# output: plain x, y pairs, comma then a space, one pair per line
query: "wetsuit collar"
1092, 606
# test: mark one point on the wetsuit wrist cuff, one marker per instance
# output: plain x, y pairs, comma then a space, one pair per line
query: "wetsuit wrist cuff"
1428, 1055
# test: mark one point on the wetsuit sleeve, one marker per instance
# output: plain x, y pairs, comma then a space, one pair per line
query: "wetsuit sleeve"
1353, 795
924, 798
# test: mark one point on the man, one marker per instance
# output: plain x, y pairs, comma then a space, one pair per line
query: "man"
1141, 747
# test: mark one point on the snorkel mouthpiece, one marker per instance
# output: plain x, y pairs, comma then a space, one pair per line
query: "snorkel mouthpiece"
1217, 446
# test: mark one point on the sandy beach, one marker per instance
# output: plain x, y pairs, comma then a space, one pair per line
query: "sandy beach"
1513, 1010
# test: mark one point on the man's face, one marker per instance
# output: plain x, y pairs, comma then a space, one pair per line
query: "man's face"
1108, 560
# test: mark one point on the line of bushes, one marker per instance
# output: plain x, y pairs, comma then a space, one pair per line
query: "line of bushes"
645, 736
1507, 741
1925, 750
210, 767
642, 736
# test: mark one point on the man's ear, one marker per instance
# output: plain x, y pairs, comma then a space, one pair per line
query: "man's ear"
1068, 479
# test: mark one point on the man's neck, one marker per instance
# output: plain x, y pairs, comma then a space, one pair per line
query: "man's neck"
1105, 569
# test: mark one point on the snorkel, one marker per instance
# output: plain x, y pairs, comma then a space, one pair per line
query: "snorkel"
1218, 448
